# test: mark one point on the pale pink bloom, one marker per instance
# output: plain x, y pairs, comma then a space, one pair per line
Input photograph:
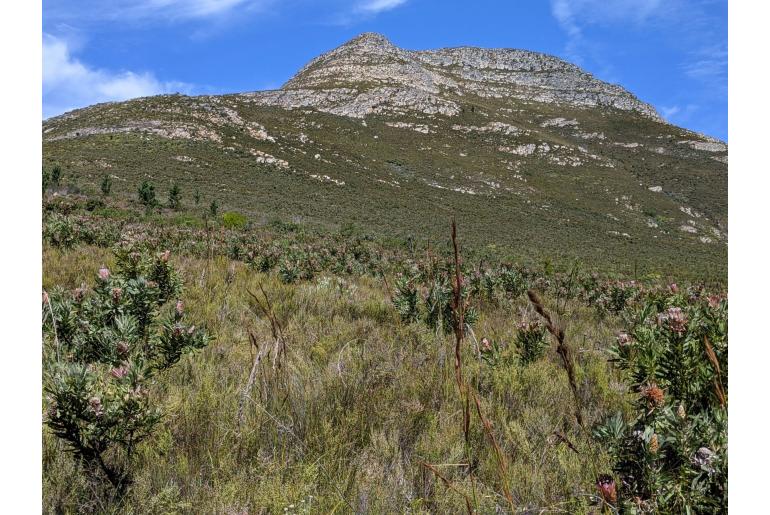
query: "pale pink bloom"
117, 293
486, 346
122, 348
624, 339
119, 372
179, 307
104, 273
673, 287
96, 405
45, 297
165, 255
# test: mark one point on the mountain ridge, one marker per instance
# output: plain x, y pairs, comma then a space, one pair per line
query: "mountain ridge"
398, 140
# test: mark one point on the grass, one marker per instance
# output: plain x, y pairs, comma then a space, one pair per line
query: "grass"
360, 401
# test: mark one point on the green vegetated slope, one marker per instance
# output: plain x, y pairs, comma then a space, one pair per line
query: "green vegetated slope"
561, 180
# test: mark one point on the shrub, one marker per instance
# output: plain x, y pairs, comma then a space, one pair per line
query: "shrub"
405, 300
213, 208
531, 341
60, 231
147, 194
672, 455
174, 197
104, 348
233, 220
106, 185
197, 197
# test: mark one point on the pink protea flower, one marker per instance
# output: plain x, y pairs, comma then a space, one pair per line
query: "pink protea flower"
624, 339
191, 329
165, 255
104, 273
79, 293
673, 288
714, 301
606, 485
486, 346
95, 403
122, 348
117, 293
675, 319
179, 307
46, 299
120, 372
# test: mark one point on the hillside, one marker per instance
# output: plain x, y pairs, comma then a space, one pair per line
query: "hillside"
536, 157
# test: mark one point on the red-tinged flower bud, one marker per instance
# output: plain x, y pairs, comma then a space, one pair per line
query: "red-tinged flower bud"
165, 255
122, 348
673, 288
607, 489
624, 339
117, 293
120, 372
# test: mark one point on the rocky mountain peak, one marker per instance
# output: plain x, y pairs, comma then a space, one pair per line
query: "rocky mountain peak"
371, 75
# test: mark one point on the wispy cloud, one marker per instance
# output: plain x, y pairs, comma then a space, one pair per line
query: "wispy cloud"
573, 16
378, 6
80, 11
68, 83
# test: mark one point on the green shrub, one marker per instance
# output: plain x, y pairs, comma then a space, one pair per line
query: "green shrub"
60, 231
174, 197
405, 300
233, 220
531, 341
103, 351
147, 194
106, 185
672, 456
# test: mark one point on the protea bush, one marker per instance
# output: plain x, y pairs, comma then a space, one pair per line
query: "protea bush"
672, 456
103, 349
531, 341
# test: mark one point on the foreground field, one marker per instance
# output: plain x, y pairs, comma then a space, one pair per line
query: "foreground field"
363, 413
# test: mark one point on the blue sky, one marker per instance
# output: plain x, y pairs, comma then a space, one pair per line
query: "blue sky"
670, 53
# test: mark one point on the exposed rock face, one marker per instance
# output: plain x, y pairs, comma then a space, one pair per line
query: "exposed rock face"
369, 75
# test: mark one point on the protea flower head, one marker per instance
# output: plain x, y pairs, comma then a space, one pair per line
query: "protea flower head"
104, 273
624, 339
606, 485
653, 394
179, 307
673, 288
680, 412
119, 372
46, 299
122, 348
654, 444
117, 293
486, 346
96, 405
165, 255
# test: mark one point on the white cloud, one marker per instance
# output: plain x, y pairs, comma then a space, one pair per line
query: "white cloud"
669, 112
145, 10
378, 6
69, 84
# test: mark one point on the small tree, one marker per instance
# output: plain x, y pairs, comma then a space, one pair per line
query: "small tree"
106, 185
214, 208
174, 197
46, 180
103, 350
147, 194
197, 197
56, 175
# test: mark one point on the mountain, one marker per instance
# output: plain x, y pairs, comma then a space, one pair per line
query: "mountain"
534, 157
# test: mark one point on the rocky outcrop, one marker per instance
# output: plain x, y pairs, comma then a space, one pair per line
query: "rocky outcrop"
370, 75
